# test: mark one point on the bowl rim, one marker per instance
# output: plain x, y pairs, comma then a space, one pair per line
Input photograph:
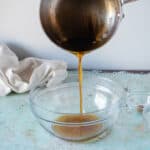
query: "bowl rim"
66, 85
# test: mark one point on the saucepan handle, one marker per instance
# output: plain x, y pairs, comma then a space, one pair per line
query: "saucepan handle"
127, 1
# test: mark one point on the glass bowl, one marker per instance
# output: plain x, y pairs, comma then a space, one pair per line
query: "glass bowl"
57, 108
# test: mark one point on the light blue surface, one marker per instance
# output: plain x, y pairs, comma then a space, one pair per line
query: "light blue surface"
19, 129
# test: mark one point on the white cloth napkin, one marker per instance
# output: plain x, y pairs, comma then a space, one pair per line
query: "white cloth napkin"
22, 76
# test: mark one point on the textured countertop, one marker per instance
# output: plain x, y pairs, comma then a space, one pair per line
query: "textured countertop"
19, 129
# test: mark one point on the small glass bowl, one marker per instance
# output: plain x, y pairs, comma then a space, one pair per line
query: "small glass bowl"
57, 108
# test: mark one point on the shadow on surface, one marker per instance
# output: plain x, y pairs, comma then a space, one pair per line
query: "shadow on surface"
20, 50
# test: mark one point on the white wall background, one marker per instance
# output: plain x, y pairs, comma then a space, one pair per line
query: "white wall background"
129, 49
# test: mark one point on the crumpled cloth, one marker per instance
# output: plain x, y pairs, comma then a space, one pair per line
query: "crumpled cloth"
22, 76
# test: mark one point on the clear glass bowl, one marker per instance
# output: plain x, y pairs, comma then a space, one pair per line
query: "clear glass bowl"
57, 108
